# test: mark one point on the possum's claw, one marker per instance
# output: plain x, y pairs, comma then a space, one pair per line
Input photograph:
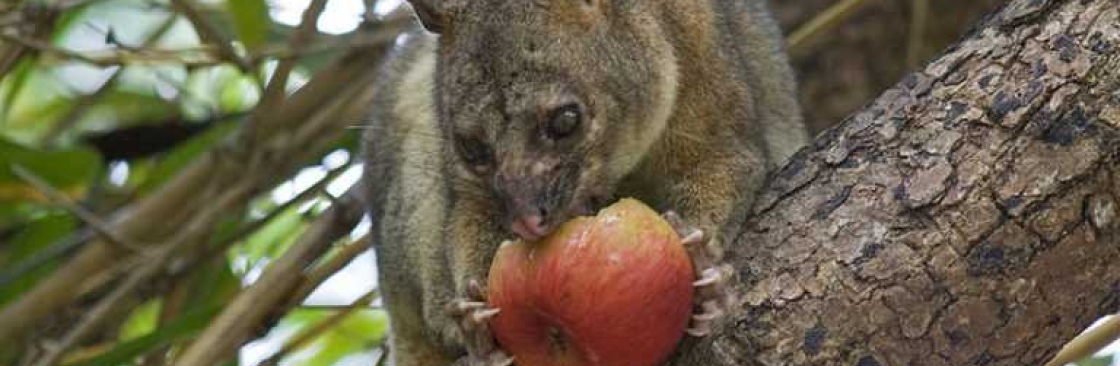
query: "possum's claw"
473, 316
713, 297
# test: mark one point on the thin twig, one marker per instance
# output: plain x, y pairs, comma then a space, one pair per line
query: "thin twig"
321, 307
209, 34
1090, 342
101, 227
309, 334
316, 276
301, 197
61, 248
107, 307
804, 37
47, 48
269, 294
383, 357
320, 107
79, 107
150, 268
171, 306
83, 104
919, 21
202, 56
41, 257
275, 92
117, 57
34, 21
71, 4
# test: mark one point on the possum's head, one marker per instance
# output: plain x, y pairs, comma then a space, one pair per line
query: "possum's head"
550, 103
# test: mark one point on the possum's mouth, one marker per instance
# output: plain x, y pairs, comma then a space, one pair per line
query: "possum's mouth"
538, 205
536, 227
594, 203
530, 228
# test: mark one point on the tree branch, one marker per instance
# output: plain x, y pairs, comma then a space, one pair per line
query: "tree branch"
1088, 343
313, 118
314, 331
209, 34
244, 316
967, 217
275, 90
808, 34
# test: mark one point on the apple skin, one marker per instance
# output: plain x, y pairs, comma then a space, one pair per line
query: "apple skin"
610, 290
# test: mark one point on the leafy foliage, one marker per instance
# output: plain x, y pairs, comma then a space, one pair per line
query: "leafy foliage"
250, 18
110, 134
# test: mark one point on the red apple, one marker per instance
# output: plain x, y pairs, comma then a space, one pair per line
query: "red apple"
610, 290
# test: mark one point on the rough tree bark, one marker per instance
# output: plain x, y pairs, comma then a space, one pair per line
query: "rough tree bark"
967, 217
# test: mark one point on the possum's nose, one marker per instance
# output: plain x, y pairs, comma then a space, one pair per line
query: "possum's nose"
529, 227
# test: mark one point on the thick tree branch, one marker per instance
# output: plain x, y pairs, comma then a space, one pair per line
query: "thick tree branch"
967, 217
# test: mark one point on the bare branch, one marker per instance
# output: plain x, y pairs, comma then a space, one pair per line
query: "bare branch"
83, 104
30, 21
210, 35
123, 296
252, 227
807, 34
919, 21
276, 90
300, 340
115, 57
316, 276
98, 225
1089, 343
262, 300
316, 116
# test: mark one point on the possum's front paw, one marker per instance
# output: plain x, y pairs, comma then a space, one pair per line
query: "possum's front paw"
473, 314
713, 296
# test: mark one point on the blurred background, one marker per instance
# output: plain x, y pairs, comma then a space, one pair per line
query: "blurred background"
176, 175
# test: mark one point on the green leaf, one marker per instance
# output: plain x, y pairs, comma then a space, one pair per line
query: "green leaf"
274, 238
213, 285
16, 80
178, 329
16, 212
238, 95
250, 21
36, 235
210, 287
70, 171
142, 321
212, 90
33, 98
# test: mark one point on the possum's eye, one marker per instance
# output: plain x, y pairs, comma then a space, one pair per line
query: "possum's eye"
564, 121
473, 151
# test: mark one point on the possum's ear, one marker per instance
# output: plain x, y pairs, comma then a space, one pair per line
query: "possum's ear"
432, 13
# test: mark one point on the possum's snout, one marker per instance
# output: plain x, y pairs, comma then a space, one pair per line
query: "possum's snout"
537, 197
530, 227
